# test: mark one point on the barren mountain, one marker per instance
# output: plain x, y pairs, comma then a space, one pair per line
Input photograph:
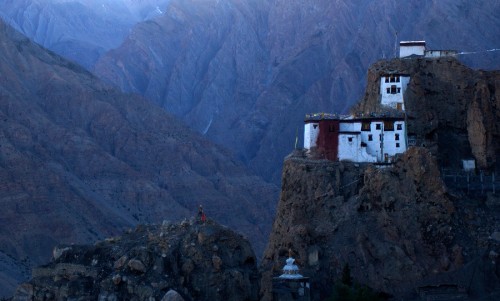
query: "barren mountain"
79, 30
80, 160
244, 73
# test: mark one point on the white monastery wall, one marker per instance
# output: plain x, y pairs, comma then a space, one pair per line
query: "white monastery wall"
311, 132
392, 89
405, 51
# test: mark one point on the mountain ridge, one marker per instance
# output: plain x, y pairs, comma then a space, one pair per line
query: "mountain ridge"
80, 160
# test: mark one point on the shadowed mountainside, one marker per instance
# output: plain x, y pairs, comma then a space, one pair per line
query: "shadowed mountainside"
192, 261
244, 73
78, 30
80, 160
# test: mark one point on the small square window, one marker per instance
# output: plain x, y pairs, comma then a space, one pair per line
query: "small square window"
377, 126
388, 90
397, 144
399, 126
370, 137
349, 139
399, 90
396, 137
386, 79
365, 126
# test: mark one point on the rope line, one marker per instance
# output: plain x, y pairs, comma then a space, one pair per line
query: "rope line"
481, 51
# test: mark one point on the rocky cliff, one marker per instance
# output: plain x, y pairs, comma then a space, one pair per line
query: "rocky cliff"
186, 261
398, 228
451, 109
81, 161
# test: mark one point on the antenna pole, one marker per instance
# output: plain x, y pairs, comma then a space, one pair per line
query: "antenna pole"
396, 45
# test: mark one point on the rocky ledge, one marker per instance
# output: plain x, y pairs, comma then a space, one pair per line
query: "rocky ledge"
186, 261
398, 228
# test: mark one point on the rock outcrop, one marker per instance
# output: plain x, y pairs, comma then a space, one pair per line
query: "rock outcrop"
452, 110
171, 262
396, 227
80, 161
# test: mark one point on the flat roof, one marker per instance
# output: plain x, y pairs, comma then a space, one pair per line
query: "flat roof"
412, 43
356, 118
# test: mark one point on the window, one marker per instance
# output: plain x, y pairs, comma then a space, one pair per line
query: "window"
399, 90
377, 126
393, 79
370, 137
393, 89
365, 126
349, 139
399, 126
397, 144
388, 90
388, 125
387, 79
396, 137
397, 79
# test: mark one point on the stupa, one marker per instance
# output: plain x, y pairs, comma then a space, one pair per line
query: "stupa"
291, 285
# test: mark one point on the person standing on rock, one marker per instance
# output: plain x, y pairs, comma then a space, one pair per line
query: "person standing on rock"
201, 215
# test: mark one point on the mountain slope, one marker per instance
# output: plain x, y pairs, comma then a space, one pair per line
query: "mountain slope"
78, 30
80, 160
244, 73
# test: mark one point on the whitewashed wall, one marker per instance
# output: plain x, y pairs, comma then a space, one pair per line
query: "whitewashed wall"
392, 100
374, 150
311, 132
405, 51
350, 149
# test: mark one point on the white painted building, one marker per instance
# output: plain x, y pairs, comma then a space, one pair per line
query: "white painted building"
440, 53
372, 140
311, 132
409, 48
392, 88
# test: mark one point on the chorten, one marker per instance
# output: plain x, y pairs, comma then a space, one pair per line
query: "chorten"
291, 285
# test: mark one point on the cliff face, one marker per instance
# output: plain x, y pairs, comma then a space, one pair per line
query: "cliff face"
80, 161
453, 110
396, 227
191, 261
